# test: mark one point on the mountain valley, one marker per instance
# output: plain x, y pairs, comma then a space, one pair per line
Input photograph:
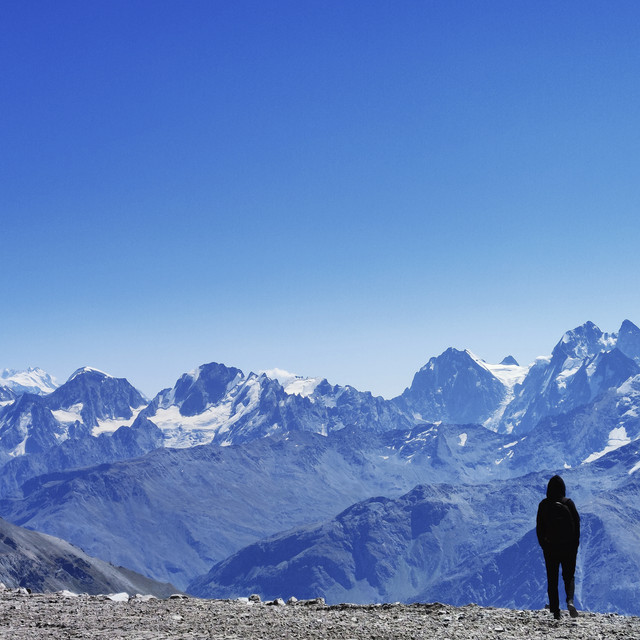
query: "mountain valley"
231, 482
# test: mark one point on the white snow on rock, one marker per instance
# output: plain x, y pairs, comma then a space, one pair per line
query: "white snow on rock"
119, 597
70, 415
33, 380
111, 425
509, 375
182, 432
617, 438
462, 439
634, 468
81, 370
292, 383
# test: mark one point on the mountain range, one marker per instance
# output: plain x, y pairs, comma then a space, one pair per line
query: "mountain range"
229, 482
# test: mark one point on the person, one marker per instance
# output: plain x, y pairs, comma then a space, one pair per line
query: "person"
558, 530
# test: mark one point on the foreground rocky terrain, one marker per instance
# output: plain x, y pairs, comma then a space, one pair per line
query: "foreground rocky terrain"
63, 616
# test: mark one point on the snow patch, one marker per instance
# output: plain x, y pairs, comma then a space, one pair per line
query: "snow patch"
181, 432
570, 368
617, 438
292, 383
509, 375
20, 450
118, 597
635, 467
462, 439
111, 425
82, 370
33, 380
70, 415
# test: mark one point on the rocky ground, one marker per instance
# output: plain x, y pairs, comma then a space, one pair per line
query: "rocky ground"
62, 615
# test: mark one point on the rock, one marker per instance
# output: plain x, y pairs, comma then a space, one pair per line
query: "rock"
254, 597
292, 600
44, 616
118, 597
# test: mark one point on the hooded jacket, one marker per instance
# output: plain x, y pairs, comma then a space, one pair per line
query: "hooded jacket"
556, 493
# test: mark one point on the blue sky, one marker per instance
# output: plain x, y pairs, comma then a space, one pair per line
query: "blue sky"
334, 188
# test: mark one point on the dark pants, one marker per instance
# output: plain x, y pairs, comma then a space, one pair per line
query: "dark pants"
553, 558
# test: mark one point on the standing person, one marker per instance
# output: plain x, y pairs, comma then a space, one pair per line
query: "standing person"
558, 530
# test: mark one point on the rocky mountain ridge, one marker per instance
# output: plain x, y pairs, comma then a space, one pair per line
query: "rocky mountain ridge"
38, 562
216, 403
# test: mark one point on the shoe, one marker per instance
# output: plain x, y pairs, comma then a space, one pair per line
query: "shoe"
573, 612
557, 615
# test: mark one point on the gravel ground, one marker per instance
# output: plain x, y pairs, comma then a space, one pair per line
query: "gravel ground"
60, 616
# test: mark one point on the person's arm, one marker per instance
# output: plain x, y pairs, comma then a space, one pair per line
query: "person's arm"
576, 522
540, 532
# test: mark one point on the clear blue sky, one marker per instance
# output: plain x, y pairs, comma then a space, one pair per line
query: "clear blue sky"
337, 188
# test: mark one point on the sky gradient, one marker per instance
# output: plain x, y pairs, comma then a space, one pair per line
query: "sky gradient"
340, 188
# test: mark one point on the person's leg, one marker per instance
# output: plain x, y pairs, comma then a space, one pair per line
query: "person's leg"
568, 577
552, 563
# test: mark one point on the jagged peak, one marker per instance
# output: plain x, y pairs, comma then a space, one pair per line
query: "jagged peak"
583, 341
510, 361
213, 367
586, 329
628, 327
31, 380
293, 384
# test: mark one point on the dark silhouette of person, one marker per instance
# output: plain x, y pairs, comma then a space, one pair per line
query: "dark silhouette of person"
558, 530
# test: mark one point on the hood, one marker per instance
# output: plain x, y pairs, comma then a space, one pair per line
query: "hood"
556, 488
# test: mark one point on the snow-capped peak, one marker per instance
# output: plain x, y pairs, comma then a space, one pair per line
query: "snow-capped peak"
83, 370
33, 380
585, 341
508, 374
292, 383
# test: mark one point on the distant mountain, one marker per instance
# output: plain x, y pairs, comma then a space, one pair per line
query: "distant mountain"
628, 340
220, 404
175, 512
82, 451
216, 403
460, 544
459, 387
6, 395
89, 403
96, 400
33, 380
44, 563
584, 364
